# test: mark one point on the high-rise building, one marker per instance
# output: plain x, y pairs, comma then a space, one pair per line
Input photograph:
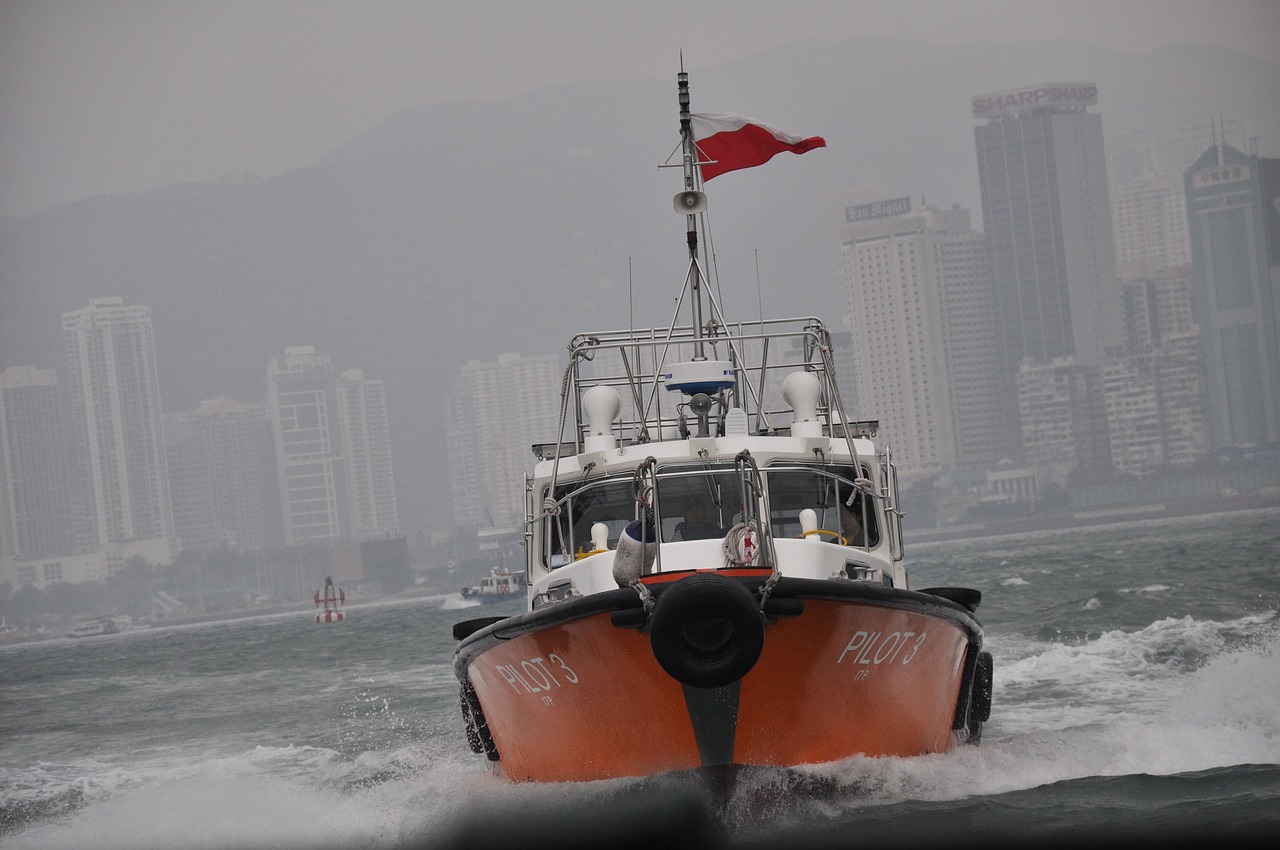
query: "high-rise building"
190, 471
35, 478
1232, 210
1155, 405
366, 438
1063, 416
919, 313
1130, 154
228, 452
497, 411
118, 430
1046, 213
1158, 307
1185, 145
1154, 391
1150, 216
302, 404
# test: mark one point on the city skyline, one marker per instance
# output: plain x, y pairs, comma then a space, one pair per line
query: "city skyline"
346, 478
105, 475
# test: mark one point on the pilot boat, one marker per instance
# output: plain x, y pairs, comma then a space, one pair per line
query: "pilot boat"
715, 568
497, 586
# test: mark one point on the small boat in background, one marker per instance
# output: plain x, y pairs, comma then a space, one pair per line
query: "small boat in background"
497, 586
94, 626
332, 599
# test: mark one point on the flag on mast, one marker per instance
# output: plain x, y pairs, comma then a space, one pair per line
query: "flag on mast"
732, 142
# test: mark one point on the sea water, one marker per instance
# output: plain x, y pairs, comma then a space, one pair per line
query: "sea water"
1136, 694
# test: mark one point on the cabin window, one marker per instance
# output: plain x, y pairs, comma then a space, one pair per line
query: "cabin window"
698, 505
822, 491
569, 535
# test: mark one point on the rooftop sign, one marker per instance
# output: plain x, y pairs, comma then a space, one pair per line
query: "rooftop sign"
879, 209
1219, 174
1068, 95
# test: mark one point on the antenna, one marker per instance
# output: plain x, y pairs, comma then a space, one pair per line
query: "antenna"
759, 295
691, 202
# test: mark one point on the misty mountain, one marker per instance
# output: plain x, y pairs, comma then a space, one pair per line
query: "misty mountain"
462, 231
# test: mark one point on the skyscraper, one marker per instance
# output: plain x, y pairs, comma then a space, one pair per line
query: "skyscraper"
920, 316
371, 487
190, 472
1150, 215
35, 482
245, 487
223, 473
116, 415
301, 402
1063, 416
1232, 210
497, 410
1047, 217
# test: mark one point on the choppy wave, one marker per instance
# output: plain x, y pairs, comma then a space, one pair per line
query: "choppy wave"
1155, 712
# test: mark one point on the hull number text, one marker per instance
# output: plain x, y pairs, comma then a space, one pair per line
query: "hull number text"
537, 675
880, 648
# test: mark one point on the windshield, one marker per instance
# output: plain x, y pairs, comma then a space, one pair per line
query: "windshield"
705, 502
825, 491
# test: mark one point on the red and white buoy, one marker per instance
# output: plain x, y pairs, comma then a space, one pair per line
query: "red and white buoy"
332, 599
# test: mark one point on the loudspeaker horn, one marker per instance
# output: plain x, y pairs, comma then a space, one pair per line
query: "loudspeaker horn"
691, 202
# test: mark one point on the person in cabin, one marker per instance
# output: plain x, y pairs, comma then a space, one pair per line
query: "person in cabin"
696, 525
851, 516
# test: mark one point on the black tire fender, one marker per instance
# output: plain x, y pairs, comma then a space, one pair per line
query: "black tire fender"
707, 631
982, 682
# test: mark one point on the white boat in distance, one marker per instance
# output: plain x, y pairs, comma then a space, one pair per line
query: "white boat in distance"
94, 626
497, 586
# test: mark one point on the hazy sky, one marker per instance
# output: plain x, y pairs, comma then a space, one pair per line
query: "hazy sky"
131, 95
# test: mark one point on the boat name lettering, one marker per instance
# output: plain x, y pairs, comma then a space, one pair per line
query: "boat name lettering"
880, 648
533, 675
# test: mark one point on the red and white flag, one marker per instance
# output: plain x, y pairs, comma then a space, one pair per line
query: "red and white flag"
733, 142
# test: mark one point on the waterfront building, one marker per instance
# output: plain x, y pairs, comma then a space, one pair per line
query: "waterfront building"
920, 318
497, 410
1155, 406
301, 402
118, 429
230, 492
35, 478
366, 438
1062, 410
190, 470
1046, 213
1158, 306
1232, 210
1150, 215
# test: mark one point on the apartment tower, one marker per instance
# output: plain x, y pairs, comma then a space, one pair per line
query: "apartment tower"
1047, 217
117, 427
920, 317
1233, 209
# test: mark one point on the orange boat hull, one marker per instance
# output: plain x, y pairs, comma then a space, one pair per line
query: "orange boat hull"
586, 699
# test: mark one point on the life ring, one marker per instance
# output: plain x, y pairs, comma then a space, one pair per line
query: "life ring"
706, 631
843, 542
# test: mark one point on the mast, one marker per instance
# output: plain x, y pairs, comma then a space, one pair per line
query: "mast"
693, 202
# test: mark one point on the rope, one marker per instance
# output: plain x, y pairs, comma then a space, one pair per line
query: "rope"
741, 545
646, 595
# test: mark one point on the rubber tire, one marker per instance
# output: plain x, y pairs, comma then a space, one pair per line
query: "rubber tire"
707, 631
982, 682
